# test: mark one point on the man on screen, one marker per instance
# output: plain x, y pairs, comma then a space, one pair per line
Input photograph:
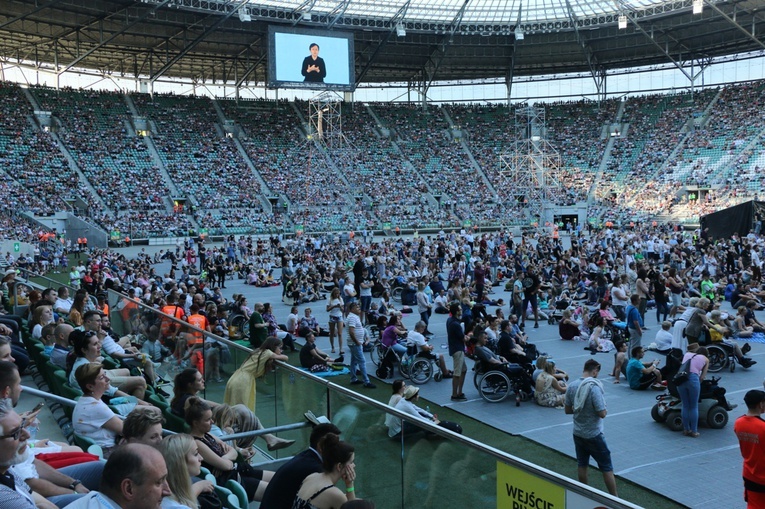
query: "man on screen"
313, 68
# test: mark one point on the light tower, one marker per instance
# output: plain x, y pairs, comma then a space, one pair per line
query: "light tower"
326, 120
530, 169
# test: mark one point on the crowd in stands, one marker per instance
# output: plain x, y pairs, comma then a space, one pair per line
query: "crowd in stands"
399, 164
32, 159
204, 164
440, 159
94, 128
239, 220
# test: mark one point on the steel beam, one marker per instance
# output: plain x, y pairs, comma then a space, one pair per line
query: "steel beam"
114, 36
446, 41
24, 16
736, 24
663, 50
196, 41
400, 14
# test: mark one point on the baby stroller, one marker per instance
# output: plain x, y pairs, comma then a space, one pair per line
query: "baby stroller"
557, 307
713, 405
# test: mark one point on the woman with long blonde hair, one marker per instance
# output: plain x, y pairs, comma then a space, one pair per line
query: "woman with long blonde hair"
183, 461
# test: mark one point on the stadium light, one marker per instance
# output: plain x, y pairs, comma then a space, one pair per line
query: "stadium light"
622, 21
698, 6
400, 30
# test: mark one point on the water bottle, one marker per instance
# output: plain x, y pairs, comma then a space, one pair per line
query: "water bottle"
32, 430
427, 408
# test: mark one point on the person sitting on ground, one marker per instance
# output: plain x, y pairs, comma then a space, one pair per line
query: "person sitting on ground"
751, 320
620, 360
293, 321
664, 337
541, 365
739, 329
441, 303
642, 375
417, 339
550, 392
598, 341
309, 322
311, 356
569, 329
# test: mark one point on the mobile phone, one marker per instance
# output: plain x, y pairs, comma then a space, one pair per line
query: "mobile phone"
38, 407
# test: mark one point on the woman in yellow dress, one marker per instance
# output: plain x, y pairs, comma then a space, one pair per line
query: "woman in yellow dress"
241, 387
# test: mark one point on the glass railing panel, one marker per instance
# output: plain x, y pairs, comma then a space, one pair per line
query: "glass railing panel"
214, 356
283, 397
379, 472
438, 472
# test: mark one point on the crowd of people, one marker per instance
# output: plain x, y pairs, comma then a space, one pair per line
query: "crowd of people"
146, 471
668, 141
621, 271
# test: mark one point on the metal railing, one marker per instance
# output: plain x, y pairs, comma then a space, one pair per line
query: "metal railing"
324, 393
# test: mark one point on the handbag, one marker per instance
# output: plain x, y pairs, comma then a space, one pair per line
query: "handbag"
683, 373
209, 501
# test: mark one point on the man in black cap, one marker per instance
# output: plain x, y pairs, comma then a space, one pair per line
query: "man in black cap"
750, 430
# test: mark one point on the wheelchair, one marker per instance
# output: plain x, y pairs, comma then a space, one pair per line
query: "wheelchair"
723, 355
495, 385
419, 370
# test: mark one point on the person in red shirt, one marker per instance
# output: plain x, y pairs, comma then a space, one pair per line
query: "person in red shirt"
750, 430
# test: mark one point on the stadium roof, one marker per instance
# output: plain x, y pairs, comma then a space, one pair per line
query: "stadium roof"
217, 40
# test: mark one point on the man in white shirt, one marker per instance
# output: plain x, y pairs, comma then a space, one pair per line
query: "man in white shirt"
441, 303
63, 303
356, 340
416, 337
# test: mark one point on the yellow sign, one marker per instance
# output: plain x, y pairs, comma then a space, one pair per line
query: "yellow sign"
517, 489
